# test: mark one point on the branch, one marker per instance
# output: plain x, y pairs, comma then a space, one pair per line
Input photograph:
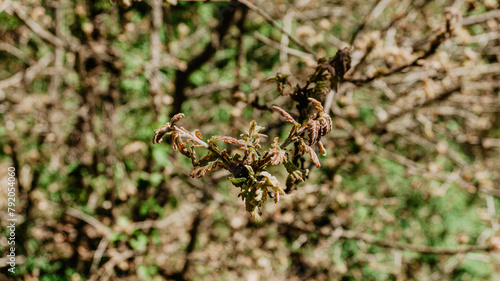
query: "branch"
416, 169
40, 31
180, 214
269, 19
336, 42
99, 253
182, 76
155, 88
434, 45
416, 248
495, 14
56, 80
9, 48
382, 126
348, 234
282, 48
99, 226
377, 9
29, 74
116, 259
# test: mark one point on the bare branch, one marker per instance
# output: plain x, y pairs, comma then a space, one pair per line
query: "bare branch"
470, 20
367, 238
279, 27
40, 31
281, 47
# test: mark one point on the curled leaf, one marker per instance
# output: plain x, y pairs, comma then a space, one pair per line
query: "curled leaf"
281, 82
278, 155
314, 157
176, 118
341, 62
317, 104
296, 173
164, 130
160, 133
255, 129
271, 182
313, 127
225, 155
253, 135
255, 214
250, 170
199, 172
285, 114
198, 134
290, 184
321, 148
326, 124
230, 140
321, 88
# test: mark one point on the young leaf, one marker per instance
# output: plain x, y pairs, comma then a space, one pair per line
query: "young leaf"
272, 182
321, 148
285, 114
237, 181
229, 140
314, 157
200, 171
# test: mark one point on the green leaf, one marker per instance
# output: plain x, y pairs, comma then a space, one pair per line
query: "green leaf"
140, 243
237, 181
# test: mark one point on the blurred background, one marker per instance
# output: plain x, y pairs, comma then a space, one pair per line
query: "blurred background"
409, 189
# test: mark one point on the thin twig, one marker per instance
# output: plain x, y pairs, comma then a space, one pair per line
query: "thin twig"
42, 32
336, 42
269, 19
367, 238
59, 57
495, 14
111, 264
282, 48
155, 88
29, 74
4, 46
377, 9
99, 226
170, 219
416, 248
435, 43
99, 253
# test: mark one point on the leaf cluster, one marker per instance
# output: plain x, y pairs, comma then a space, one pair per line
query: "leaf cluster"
249, 171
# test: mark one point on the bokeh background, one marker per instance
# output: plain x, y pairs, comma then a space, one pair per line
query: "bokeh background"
409, 189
